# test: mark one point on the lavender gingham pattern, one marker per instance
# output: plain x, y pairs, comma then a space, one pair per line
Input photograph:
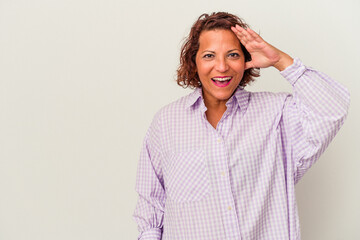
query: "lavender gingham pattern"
236, 181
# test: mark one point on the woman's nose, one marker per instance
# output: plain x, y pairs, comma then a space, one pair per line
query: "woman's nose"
221, 65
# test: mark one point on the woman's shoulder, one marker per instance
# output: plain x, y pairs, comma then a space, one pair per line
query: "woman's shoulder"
273, 100
181, 104
176, 107
266, 95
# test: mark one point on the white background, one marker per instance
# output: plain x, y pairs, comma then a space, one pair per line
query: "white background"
80, 81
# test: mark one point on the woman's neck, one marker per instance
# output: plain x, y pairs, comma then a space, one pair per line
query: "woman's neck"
215, 110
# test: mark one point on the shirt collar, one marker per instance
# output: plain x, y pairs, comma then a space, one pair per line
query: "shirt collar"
241, 96
194, 97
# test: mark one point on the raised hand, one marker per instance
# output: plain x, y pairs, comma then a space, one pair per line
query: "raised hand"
263, 54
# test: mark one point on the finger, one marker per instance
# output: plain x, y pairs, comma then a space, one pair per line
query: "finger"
243, 40
237, 31
245, 36
239, 35
245, 33
238, 27
255, 36
241, 31
248, 65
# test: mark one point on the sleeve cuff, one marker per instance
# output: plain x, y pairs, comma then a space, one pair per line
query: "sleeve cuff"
293, 72
151, 234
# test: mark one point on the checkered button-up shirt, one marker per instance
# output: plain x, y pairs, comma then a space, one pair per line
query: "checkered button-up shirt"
236, 181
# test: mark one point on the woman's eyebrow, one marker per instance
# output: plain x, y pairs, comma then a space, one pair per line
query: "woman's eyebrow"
235, 49
208, 51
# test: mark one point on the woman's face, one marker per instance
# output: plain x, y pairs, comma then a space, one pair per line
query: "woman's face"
220, 64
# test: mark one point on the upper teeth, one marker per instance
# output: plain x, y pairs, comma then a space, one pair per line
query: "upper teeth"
222, 79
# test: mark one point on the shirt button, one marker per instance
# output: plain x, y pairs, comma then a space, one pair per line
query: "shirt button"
229, 208
223, 173
219, 140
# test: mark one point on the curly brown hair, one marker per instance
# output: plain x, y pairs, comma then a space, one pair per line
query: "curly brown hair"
186, 74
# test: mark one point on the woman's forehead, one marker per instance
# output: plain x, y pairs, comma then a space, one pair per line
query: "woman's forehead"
218, 38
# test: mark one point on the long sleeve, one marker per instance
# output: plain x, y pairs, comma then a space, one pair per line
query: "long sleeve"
312, 115
150, 187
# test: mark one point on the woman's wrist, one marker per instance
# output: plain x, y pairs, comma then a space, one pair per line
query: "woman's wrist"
284, 61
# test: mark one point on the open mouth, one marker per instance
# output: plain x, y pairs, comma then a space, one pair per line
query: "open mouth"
221, 81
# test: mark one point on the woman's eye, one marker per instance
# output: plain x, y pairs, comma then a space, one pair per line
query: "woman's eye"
208, 56
234, 55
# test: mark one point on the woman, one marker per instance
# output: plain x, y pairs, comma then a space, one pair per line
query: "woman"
222, 162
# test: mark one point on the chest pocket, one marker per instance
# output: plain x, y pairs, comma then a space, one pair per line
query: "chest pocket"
188, 178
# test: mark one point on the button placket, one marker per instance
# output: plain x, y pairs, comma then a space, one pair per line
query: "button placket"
227, 202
